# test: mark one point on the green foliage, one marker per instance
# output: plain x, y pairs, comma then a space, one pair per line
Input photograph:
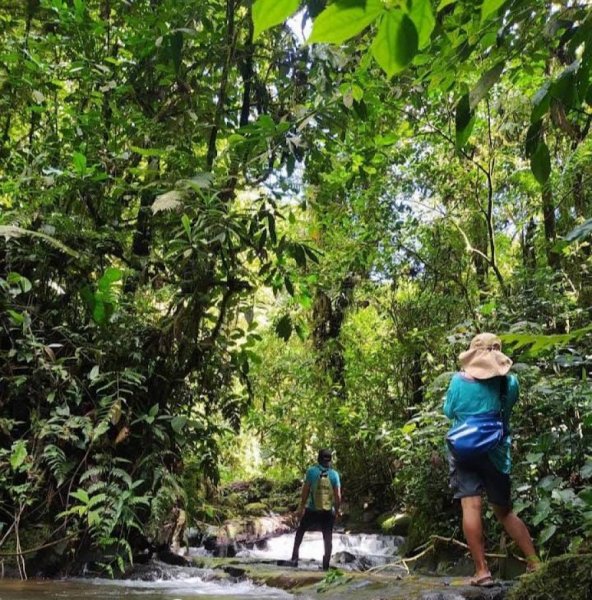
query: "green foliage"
126, 333
552, 465
332, 579
184, 187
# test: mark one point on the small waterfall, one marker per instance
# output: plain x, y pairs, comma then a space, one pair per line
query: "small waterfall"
361, 550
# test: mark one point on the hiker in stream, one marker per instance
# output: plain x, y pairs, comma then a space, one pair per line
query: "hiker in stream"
320, 501
479, 402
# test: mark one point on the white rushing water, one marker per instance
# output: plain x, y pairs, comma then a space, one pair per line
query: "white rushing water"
189, 585
376, 548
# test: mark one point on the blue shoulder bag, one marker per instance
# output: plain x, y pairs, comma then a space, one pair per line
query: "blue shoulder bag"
477, 435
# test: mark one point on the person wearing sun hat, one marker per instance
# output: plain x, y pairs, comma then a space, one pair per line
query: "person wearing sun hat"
484, 385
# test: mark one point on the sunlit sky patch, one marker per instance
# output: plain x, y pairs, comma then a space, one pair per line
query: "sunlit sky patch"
301, 29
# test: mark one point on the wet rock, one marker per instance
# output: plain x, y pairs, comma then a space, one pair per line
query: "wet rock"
226, 539
194, 537
225, 549
236, 572
262, 544
152, 571
171, 533
285, 563
343, 558
497, 592
442, 596
172, 558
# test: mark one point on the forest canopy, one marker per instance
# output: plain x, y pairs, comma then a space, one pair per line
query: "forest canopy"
231, 232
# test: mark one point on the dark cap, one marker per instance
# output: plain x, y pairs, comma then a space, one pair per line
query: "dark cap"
325, 454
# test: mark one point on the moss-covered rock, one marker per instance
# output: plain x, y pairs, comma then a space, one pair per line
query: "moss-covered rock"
234, 500
394, 524
256, 509
566, 577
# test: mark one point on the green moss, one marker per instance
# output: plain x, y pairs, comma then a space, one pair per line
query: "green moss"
257, 509
234, 500
394, 524
568, 576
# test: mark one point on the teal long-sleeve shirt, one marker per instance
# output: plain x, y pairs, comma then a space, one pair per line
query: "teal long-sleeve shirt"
466, 397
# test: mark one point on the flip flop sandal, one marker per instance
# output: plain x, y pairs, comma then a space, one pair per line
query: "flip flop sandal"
485, 581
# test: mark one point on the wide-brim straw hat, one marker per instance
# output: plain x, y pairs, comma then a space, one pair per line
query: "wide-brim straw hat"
484, 359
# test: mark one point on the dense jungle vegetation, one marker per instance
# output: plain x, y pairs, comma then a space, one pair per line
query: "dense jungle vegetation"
222, 247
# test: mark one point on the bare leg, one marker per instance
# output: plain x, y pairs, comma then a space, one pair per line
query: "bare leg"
473, 530
518, 531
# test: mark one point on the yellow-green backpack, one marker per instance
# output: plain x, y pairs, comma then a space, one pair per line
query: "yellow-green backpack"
323, 492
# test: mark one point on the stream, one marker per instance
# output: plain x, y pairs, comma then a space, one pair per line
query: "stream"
185, 588
235, 579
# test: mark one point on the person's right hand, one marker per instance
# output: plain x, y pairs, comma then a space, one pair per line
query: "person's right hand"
299, 512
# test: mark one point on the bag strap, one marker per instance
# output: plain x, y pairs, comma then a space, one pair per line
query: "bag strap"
503, 393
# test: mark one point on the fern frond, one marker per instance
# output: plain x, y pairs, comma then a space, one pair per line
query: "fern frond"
57, 462
93, 473
122, 476
169, 201
96, 487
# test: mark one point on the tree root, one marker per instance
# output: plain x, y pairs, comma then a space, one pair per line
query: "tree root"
425, 549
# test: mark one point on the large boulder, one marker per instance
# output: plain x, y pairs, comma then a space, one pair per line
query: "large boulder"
567, 577
235, 533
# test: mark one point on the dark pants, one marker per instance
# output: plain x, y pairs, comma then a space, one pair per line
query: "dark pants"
322, 520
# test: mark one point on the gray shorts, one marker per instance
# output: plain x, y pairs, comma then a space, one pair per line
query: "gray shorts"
478, 476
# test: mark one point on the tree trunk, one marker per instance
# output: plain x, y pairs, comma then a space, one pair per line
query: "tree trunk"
528, 249
550, 224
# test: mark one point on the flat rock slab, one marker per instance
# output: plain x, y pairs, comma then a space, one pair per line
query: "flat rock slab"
407, 588
308, 582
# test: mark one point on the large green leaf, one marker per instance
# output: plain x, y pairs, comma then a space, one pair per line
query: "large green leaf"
540, 163
533, 138
79, 161
488, 7
423, 17
396, 42
18, 455
99, 311
109, 277
486, 81
176, 45
564, 88
547, 533
267, 13
283, 328
464, 121
340, 21
540, 103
